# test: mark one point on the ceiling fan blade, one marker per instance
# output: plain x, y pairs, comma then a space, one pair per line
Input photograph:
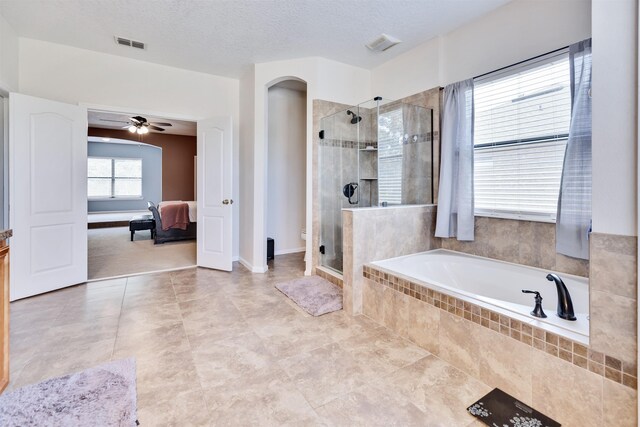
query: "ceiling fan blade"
136, 119
156, 128
161, 124
125, 127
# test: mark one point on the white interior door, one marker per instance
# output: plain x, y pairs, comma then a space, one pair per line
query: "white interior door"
48, 195
214, 169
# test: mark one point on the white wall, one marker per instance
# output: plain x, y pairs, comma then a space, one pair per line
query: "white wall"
73, 75
247, 137
614, 88
512, 33
412, 72
286, 183
515, 32
325, 79
8, 57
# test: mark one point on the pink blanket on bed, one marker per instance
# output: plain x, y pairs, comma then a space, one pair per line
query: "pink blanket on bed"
175, 215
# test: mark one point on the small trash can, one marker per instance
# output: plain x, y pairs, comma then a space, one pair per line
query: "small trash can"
270, 250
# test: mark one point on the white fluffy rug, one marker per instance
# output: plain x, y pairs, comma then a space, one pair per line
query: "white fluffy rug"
313, 294
100, 396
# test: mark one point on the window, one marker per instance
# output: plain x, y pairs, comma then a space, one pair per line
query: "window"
521, 126
390, 147
114, 178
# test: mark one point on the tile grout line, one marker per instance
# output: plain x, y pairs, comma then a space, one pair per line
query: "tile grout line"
184, 329
115, 340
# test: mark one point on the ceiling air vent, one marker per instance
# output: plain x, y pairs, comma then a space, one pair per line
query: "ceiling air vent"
127, 42
382, 43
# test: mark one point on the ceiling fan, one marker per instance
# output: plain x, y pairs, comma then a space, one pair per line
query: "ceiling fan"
140, 125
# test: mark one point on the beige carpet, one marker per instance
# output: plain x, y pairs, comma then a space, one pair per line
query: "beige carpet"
112, 253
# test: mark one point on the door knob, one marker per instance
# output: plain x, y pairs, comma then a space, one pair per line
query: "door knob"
227, 202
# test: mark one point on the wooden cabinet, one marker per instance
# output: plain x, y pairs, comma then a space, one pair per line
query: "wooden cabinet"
4, 315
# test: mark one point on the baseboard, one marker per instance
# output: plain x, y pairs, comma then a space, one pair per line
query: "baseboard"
290, 251
251, 268
245, 263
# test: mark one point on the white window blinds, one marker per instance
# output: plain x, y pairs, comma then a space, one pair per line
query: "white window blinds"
114, 177
390, 148
522, 117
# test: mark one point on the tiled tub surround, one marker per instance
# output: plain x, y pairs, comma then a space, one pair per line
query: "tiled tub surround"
373, 234
562, 378
496, 285
521, 242
613, 290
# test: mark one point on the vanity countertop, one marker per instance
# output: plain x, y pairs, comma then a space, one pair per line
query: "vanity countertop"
5, 234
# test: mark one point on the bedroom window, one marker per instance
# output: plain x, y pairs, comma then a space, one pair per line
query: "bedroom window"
114, 178
521, 126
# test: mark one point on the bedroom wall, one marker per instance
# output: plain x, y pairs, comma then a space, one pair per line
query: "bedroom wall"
151, 174
177, 160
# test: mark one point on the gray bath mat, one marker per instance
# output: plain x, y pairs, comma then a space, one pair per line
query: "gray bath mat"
313, 294
100, 396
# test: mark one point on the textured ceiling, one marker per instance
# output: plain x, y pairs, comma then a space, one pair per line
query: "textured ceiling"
224, 37
107, 120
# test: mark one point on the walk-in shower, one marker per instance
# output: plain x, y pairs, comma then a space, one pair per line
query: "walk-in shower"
378, 153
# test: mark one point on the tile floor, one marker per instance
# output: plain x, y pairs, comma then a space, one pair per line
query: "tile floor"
215, 348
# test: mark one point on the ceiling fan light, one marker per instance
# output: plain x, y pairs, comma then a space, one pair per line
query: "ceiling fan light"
132, 129
140, 131
145, 130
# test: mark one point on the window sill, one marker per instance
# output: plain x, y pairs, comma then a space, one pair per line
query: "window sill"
516, 217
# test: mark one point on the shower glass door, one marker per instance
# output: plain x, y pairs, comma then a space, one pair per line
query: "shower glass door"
378, 153
338, 181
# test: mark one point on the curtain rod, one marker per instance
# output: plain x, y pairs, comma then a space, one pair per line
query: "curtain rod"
520, 62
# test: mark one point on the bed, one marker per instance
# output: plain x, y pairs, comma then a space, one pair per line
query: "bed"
173, 234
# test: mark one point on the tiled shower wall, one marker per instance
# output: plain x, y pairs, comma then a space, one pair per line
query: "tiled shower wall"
416, 180
428, 99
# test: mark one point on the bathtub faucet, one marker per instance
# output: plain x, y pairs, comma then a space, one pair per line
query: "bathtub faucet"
565, 305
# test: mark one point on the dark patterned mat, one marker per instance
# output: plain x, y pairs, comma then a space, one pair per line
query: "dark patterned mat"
499, 409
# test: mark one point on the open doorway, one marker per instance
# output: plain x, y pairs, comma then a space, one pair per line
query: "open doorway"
286, 170
141, 190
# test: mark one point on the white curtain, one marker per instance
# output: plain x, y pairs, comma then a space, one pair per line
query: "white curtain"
455, 195
573, 221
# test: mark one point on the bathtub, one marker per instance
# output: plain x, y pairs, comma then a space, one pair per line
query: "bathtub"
497, 286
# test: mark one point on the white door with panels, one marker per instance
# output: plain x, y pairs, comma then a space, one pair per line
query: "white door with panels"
47, 195
214, 191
